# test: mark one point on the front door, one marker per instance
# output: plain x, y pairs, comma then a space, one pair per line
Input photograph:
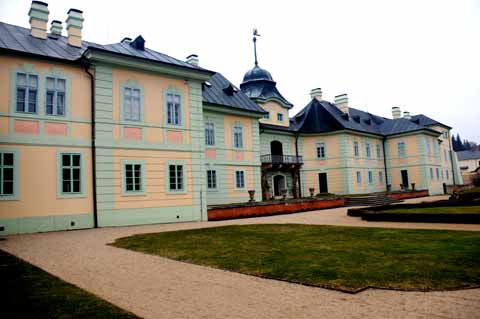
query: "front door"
278, 184
404, 178
322, 181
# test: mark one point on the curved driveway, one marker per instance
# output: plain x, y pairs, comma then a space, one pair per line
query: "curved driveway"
155, 287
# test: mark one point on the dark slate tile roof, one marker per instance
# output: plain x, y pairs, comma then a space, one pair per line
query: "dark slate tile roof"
263, 90
426, 121
289, 128
18, 39
323, 116
215, 94
467, 155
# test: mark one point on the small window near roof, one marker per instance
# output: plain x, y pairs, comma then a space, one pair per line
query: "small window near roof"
321, 151
401, 149
266, 116
132, 108
355, 149
238, 136
209, 133
280, 117
174, 109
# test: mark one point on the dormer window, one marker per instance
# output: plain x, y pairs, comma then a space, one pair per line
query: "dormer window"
356, 118
138, 43
266, 116
230, 89
280, 117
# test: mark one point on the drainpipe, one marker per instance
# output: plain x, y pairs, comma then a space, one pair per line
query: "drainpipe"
296, 154
93, 147
451, 157
385, 162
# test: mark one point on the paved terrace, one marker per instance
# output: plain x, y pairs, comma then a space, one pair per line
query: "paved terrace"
155, 287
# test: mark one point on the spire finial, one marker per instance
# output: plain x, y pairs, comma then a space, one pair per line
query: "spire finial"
255, 35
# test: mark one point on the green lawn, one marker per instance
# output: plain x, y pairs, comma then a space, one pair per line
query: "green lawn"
345, 258
29, 292
434, 210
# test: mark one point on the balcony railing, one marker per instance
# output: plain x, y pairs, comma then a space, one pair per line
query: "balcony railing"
281, 159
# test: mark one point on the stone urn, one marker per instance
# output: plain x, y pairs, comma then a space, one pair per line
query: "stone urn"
312, 191
284, 194
251, 193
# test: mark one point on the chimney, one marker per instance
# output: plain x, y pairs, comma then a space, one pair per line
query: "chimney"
341, 101
192, 59
74, 27
38, 19
316, 94
406, 115
56, 28
396, 113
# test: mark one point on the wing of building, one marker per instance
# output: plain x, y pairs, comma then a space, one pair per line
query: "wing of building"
119, 134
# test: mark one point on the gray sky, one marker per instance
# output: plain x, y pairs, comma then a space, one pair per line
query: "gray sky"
421, 55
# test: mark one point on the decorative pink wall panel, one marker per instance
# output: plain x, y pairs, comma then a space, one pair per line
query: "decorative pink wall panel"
26, 127
238, 156
55, 129
132, 133
174, 136
210, 153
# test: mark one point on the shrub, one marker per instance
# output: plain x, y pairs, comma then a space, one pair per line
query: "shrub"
475, 179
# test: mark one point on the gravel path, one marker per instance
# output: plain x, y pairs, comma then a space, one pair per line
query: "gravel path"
155, 287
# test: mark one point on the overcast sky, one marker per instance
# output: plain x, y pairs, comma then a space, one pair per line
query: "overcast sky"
423, 56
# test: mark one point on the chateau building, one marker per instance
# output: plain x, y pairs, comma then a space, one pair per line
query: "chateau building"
119, 134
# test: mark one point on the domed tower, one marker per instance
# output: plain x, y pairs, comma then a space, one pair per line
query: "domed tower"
259, 86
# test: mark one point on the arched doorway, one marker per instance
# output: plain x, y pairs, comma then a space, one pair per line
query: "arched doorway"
279, 184
276, 149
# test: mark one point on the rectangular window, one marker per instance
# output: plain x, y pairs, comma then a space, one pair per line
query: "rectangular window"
429, 150
239, 179
368, 150
401, 149
133, 178
370, 177
321, 150
379, 155
446, 172
175, 177
27, 85
211, 179
237, 136
431, 173
131, 104
71, 173
380, 177
441, 174
173, 109
359, 178
209, 133
266, 116
437, 173
434, 147
7, 171
355, 149
55, 96
280, 117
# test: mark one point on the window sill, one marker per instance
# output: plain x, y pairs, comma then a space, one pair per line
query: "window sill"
170, 192
67, 196
127, 194
9, 197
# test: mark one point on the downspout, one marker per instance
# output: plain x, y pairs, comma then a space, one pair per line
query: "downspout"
93, 147
451, 157
296, 154
385, 163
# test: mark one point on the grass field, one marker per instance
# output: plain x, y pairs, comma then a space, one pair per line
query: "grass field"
345, 258
29, 292
435, 210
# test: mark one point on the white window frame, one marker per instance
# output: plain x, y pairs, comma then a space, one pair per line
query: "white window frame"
368, 150
57, 92
173, 109
370, 177
280, 117
179, 186
321, 150
27, 89
209, 133
238, 136
239, 179
211, 179
356, 149
401, 149
359, 177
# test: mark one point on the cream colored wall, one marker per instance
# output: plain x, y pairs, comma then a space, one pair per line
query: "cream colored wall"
472, 165
37, 184
245, 153
154, 87
239, 195
334, 180
274, 108
155, 179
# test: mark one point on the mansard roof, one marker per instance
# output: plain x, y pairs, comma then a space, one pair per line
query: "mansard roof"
323, 116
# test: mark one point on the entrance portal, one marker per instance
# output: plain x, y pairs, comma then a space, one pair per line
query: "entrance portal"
322, 182
278, 185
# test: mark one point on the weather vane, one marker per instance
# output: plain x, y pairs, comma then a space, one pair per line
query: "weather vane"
255, 35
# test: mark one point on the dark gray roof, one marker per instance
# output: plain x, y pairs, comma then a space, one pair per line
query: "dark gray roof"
215, 94
18, 39
258, 85
426, 121
467, 155
323, 116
